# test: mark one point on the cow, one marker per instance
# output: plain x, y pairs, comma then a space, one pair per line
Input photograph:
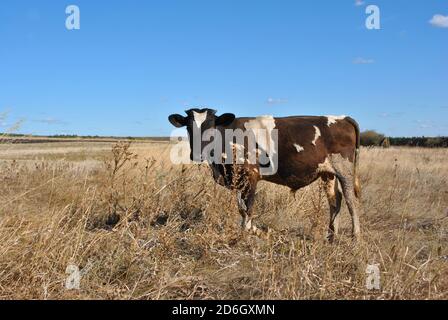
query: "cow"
307, 148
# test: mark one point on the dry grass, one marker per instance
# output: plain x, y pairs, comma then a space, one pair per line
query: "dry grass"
150, 230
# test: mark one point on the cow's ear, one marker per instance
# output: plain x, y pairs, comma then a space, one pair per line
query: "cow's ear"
177, 120
225, 120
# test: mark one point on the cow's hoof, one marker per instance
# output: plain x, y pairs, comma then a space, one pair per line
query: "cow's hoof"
263, 233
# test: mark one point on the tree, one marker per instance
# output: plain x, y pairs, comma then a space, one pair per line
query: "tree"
371, 138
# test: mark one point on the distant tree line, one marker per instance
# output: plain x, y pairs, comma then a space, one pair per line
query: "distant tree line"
371, 138
438, 142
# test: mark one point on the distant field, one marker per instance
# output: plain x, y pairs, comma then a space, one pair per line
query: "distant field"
7, 139
146, 229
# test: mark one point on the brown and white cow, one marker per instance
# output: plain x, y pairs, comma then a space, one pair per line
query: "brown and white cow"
308, 148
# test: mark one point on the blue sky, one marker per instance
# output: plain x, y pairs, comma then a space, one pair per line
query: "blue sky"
134, 62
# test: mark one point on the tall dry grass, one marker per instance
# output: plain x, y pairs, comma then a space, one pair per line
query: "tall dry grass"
148, 230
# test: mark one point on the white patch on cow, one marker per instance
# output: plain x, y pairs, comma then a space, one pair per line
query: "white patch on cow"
248, 224
333, 119
325, 167
299, 148
335, 162
317, 135
262, 128
259, 125
261, 122
199, 118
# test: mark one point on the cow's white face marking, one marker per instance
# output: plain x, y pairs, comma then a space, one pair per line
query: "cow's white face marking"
299, 148
317, 135
199, 118
333, 119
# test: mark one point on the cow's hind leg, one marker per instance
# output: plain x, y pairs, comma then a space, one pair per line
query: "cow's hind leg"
344, 172
334, 196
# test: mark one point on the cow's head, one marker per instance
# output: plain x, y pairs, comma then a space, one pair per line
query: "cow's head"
197, 122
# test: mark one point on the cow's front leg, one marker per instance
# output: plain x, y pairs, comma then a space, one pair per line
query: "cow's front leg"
246, 199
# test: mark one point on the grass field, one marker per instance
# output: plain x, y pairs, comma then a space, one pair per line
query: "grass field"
142, 228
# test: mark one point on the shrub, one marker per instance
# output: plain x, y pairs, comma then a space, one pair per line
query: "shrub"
371, 138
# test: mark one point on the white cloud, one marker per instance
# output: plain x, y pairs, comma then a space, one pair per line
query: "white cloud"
359, 3
360, 60
439, 21
426, 124
391, 115
276, 101
51, 121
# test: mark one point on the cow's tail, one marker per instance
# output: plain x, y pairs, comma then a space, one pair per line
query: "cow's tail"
356, 157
